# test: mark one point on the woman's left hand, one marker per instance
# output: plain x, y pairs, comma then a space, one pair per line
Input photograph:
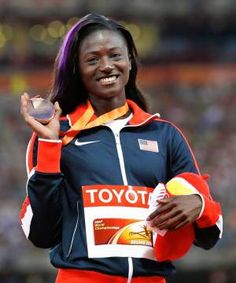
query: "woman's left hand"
175, 212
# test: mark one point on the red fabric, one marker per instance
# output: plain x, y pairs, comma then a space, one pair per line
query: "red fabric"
210, 213
77, 113
175, 244
84, 276
139, 115
49, 155
24, 207
198, 182
212, 209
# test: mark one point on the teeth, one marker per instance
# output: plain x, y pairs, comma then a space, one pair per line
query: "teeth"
108, 80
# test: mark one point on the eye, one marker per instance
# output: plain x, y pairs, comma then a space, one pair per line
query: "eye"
92, 60
116, 56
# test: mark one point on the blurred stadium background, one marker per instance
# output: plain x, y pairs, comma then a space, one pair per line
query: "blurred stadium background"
188, 74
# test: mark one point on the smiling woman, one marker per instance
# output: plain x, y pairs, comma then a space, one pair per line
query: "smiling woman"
104, 66
95, 165
95, 43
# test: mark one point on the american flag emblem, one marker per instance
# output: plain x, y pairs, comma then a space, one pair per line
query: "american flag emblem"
148, 145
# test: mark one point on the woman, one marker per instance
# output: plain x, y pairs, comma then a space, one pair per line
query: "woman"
93, 167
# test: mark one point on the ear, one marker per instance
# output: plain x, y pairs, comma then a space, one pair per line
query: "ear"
130, 62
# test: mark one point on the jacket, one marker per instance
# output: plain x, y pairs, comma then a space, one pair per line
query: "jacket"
87, 201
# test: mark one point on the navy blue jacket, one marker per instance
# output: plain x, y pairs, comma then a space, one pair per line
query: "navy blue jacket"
53, 214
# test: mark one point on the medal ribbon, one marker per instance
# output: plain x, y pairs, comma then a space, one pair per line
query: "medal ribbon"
84, 122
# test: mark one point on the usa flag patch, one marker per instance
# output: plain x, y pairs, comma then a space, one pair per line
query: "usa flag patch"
148, 145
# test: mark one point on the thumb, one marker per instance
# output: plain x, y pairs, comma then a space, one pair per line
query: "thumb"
58, 110
163, 201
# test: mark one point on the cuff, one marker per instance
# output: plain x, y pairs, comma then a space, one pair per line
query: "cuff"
49, 155
210, 213
203, 206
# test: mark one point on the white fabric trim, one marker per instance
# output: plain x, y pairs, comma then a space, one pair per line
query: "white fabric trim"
27, 157
117, 125
203, 206
26, 220
131, 269
219, 224
48, 140
144, 122
69, 120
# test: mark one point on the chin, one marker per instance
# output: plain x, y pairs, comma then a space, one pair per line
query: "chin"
111, 93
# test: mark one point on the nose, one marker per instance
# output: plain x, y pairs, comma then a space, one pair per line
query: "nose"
106, 65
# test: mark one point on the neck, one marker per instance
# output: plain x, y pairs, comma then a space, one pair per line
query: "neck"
104, 105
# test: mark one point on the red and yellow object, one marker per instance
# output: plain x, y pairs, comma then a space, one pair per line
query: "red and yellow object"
175, 244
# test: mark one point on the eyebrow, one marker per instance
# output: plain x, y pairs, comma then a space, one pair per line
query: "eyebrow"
97, 51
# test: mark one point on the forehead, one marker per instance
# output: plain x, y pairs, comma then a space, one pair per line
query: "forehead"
100, 39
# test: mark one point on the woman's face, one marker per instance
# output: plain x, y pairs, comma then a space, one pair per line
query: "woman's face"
104, 64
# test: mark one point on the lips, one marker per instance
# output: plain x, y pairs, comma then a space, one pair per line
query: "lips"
108, 80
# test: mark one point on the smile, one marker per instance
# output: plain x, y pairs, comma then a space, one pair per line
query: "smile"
108, 80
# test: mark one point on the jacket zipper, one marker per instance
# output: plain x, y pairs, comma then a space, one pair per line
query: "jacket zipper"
125, 181
121, 159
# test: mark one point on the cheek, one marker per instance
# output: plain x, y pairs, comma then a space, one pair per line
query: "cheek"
126, 73
86, 74
88, 82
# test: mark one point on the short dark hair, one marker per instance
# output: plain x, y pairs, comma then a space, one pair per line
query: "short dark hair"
68, 88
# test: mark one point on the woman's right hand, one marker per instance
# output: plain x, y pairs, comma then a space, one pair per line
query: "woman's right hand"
49, 131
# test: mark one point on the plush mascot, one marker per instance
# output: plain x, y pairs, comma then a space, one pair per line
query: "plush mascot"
172, 245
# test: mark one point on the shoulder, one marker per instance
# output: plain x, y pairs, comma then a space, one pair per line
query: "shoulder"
164, 124
141, 117
68, 120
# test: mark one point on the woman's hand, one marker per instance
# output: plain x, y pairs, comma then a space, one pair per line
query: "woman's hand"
48, 131
175, 212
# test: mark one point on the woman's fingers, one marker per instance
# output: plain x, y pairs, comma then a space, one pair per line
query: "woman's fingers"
162, 206
24, 106
175, 212
48, 131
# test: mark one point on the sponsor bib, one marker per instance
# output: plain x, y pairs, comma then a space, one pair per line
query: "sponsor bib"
115, 221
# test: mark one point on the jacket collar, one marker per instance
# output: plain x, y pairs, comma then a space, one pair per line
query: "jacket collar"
139, 115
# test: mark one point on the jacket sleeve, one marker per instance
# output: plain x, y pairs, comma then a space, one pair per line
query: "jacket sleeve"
209, 226
41, 210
